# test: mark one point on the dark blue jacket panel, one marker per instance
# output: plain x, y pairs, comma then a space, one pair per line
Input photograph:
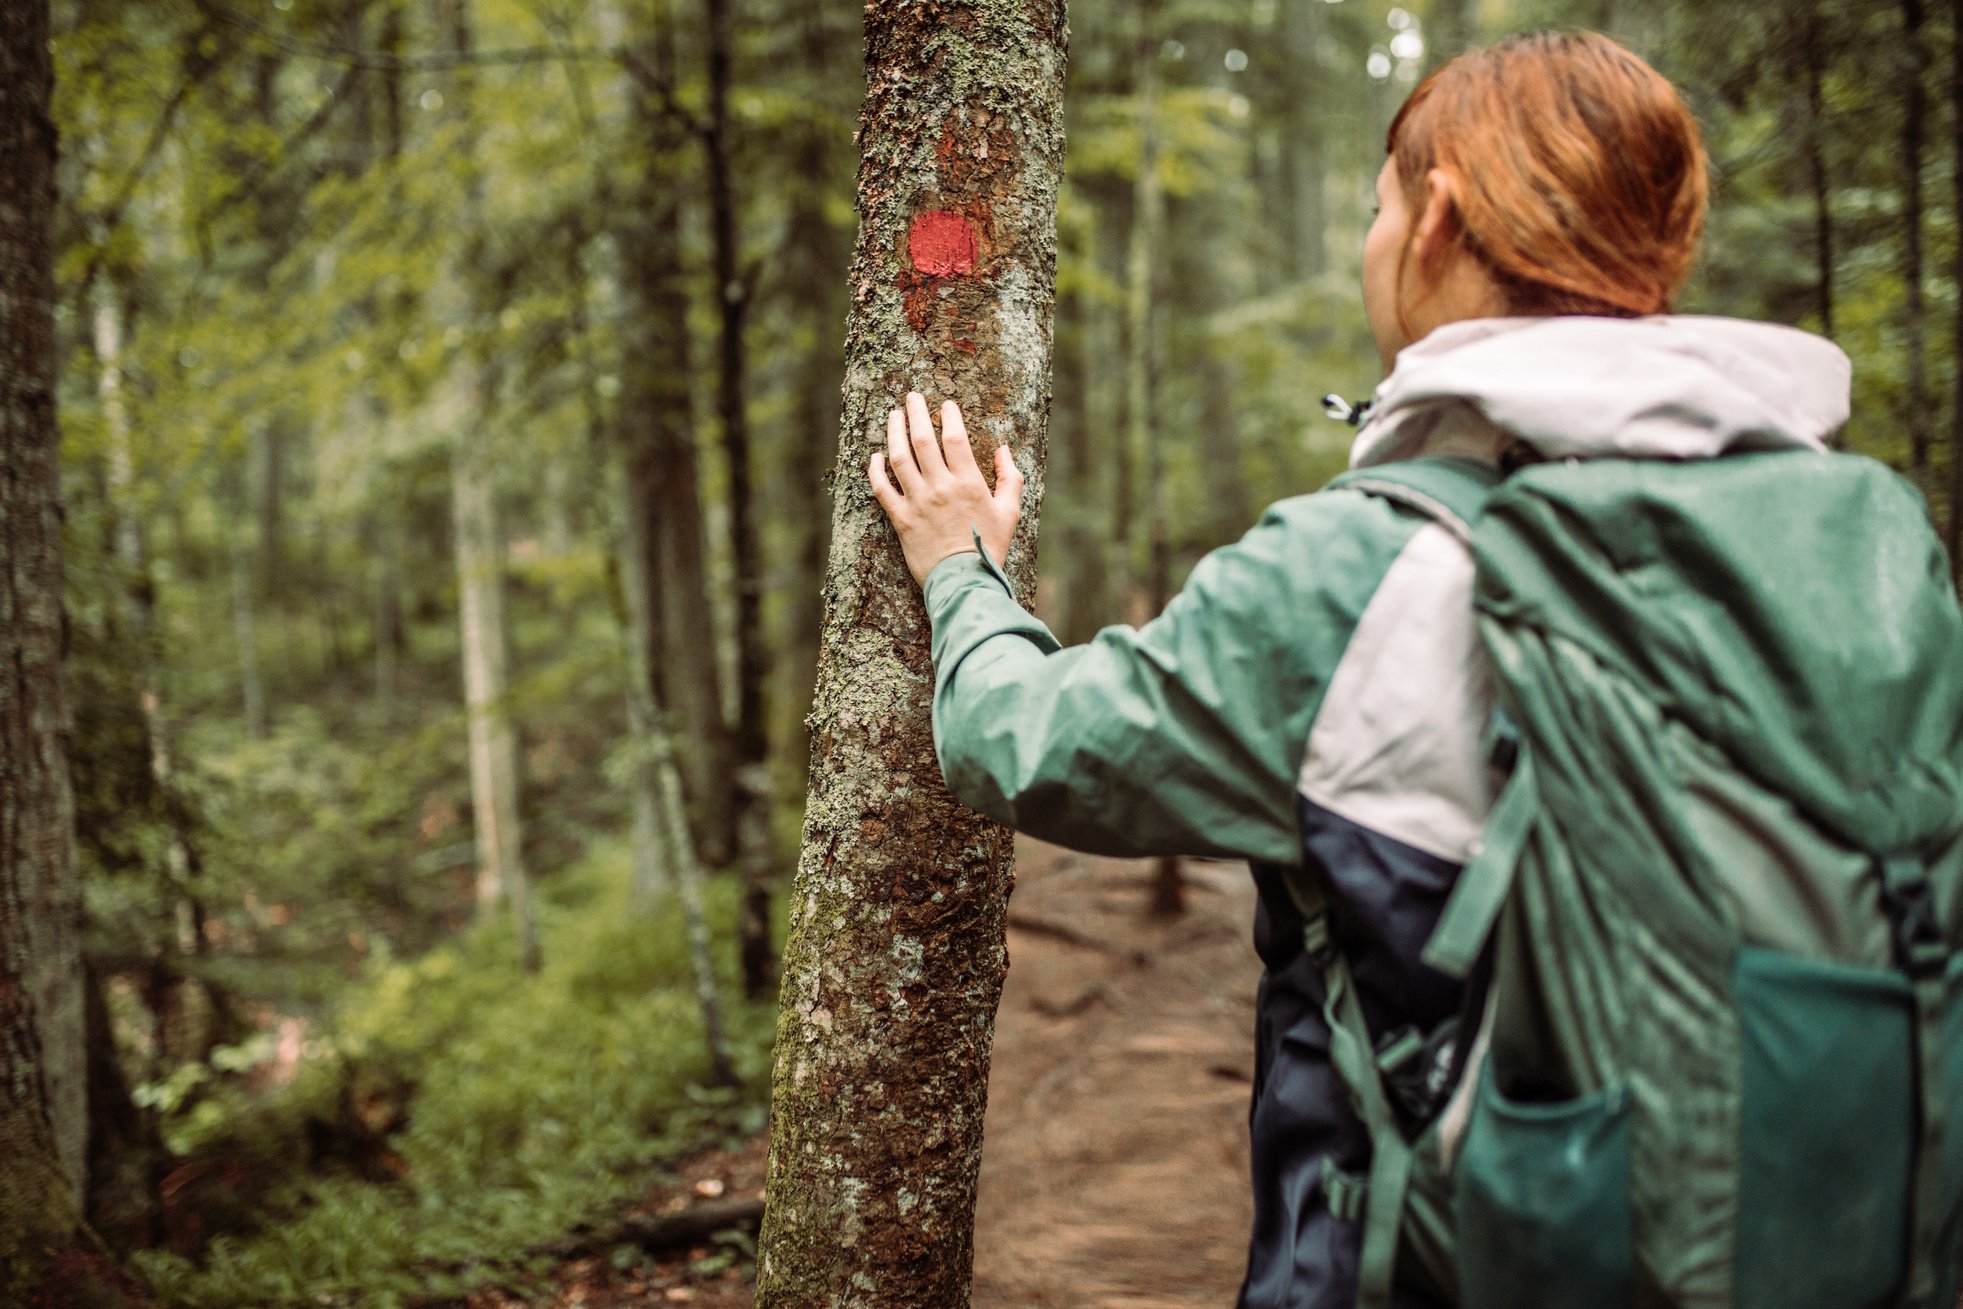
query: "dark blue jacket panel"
1387, 897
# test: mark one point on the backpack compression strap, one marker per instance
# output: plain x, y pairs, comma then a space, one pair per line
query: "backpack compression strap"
1357, 1063
1923, 954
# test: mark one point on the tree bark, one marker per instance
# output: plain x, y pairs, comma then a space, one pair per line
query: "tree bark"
895, 963
1914, 314
479, 546
657, 434
42, 1043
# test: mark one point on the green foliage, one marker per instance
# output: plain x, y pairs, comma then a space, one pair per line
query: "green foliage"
533, 1103
278, 225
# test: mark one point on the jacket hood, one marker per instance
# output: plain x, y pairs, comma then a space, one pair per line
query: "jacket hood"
1667, 387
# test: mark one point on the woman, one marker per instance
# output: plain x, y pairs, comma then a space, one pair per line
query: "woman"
1316, 695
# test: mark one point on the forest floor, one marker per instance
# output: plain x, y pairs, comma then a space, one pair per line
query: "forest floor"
1114, 1170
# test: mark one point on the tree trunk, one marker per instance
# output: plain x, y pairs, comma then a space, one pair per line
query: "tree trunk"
196, 1001
687, 877
1300, 183
1914, 314
479, 544
386, 617
653, 872
1816, 161
664, 849
266, 456
1080, 604
494, 787
1102, 522
658, 440
245, 628
42, 1043
756, 860
896, 957
126, 1156
1141, 380
816, 258
1955, 521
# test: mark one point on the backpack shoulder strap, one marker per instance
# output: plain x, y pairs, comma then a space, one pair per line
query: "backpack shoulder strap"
1450, 490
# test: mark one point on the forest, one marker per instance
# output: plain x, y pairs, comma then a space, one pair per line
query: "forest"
456, 433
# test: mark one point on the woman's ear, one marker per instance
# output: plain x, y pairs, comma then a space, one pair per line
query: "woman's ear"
1439, 225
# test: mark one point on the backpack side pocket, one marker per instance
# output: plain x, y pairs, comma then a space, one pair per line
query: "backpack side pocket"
1543, 1202
1826, 1132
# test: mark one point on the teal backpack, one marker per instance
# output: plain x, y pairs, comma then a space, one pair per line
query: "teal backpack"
1713, 1054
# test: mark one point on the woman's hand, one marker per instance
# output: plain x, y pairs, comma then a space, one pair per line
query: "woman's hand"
942, 499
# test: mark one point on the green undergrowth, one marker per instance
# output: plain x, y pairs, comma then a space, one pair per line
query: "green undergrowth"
511, 1108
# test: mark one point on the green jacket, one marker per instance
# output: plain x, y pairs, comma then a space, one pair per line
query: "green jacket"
1185, 736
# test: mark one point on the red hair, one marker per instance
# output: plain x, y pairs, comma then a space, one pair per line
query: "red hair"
1580, 176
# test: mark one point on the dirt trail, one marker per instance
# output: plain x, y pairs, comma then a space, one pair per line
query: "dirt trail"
1114, 1170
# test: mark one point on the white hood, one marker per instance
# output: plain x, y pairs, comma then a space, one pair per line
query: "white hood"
1660, 388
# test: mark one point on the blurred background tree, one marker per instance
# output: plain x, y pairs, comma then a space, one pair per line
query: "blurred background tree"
442, 386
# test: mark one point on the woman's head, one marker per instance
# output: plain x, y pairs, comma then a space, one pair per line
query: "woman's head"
1549, 174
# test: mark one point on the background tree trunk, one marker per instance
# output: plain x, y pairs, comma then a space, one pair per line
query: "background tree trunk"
1816, 164
755, 857
1914, 315
479, 545
1955, 522
1302, 186
896, 957
42, 1045
657, 433
1142, 435
815, 262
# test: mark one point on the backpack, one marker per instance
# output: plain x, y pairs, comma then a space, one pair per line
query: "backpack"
1712, 1053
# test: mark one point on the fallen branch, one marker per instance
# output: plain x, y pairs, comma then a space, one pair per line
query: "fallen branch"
662, 1231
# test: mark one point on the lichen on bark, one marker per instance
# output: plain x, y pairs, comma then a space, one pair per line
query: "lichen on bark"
895, 961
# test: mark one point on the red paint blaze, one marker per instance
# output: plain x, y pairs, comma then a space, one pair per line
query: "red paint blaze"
942, 244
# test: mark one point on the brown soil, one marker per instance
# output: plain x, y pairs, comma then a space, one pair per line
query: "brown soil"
1114, 1174
1114, 1171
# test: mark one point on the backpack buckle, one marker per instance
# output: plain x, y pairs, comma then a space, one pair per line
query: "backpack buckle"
1910, 904
1317, 942
1344, 1193
1417, 1068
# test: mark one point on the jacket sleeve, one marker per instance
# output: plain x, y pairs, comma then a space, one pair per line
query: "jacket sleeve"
1182, 737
